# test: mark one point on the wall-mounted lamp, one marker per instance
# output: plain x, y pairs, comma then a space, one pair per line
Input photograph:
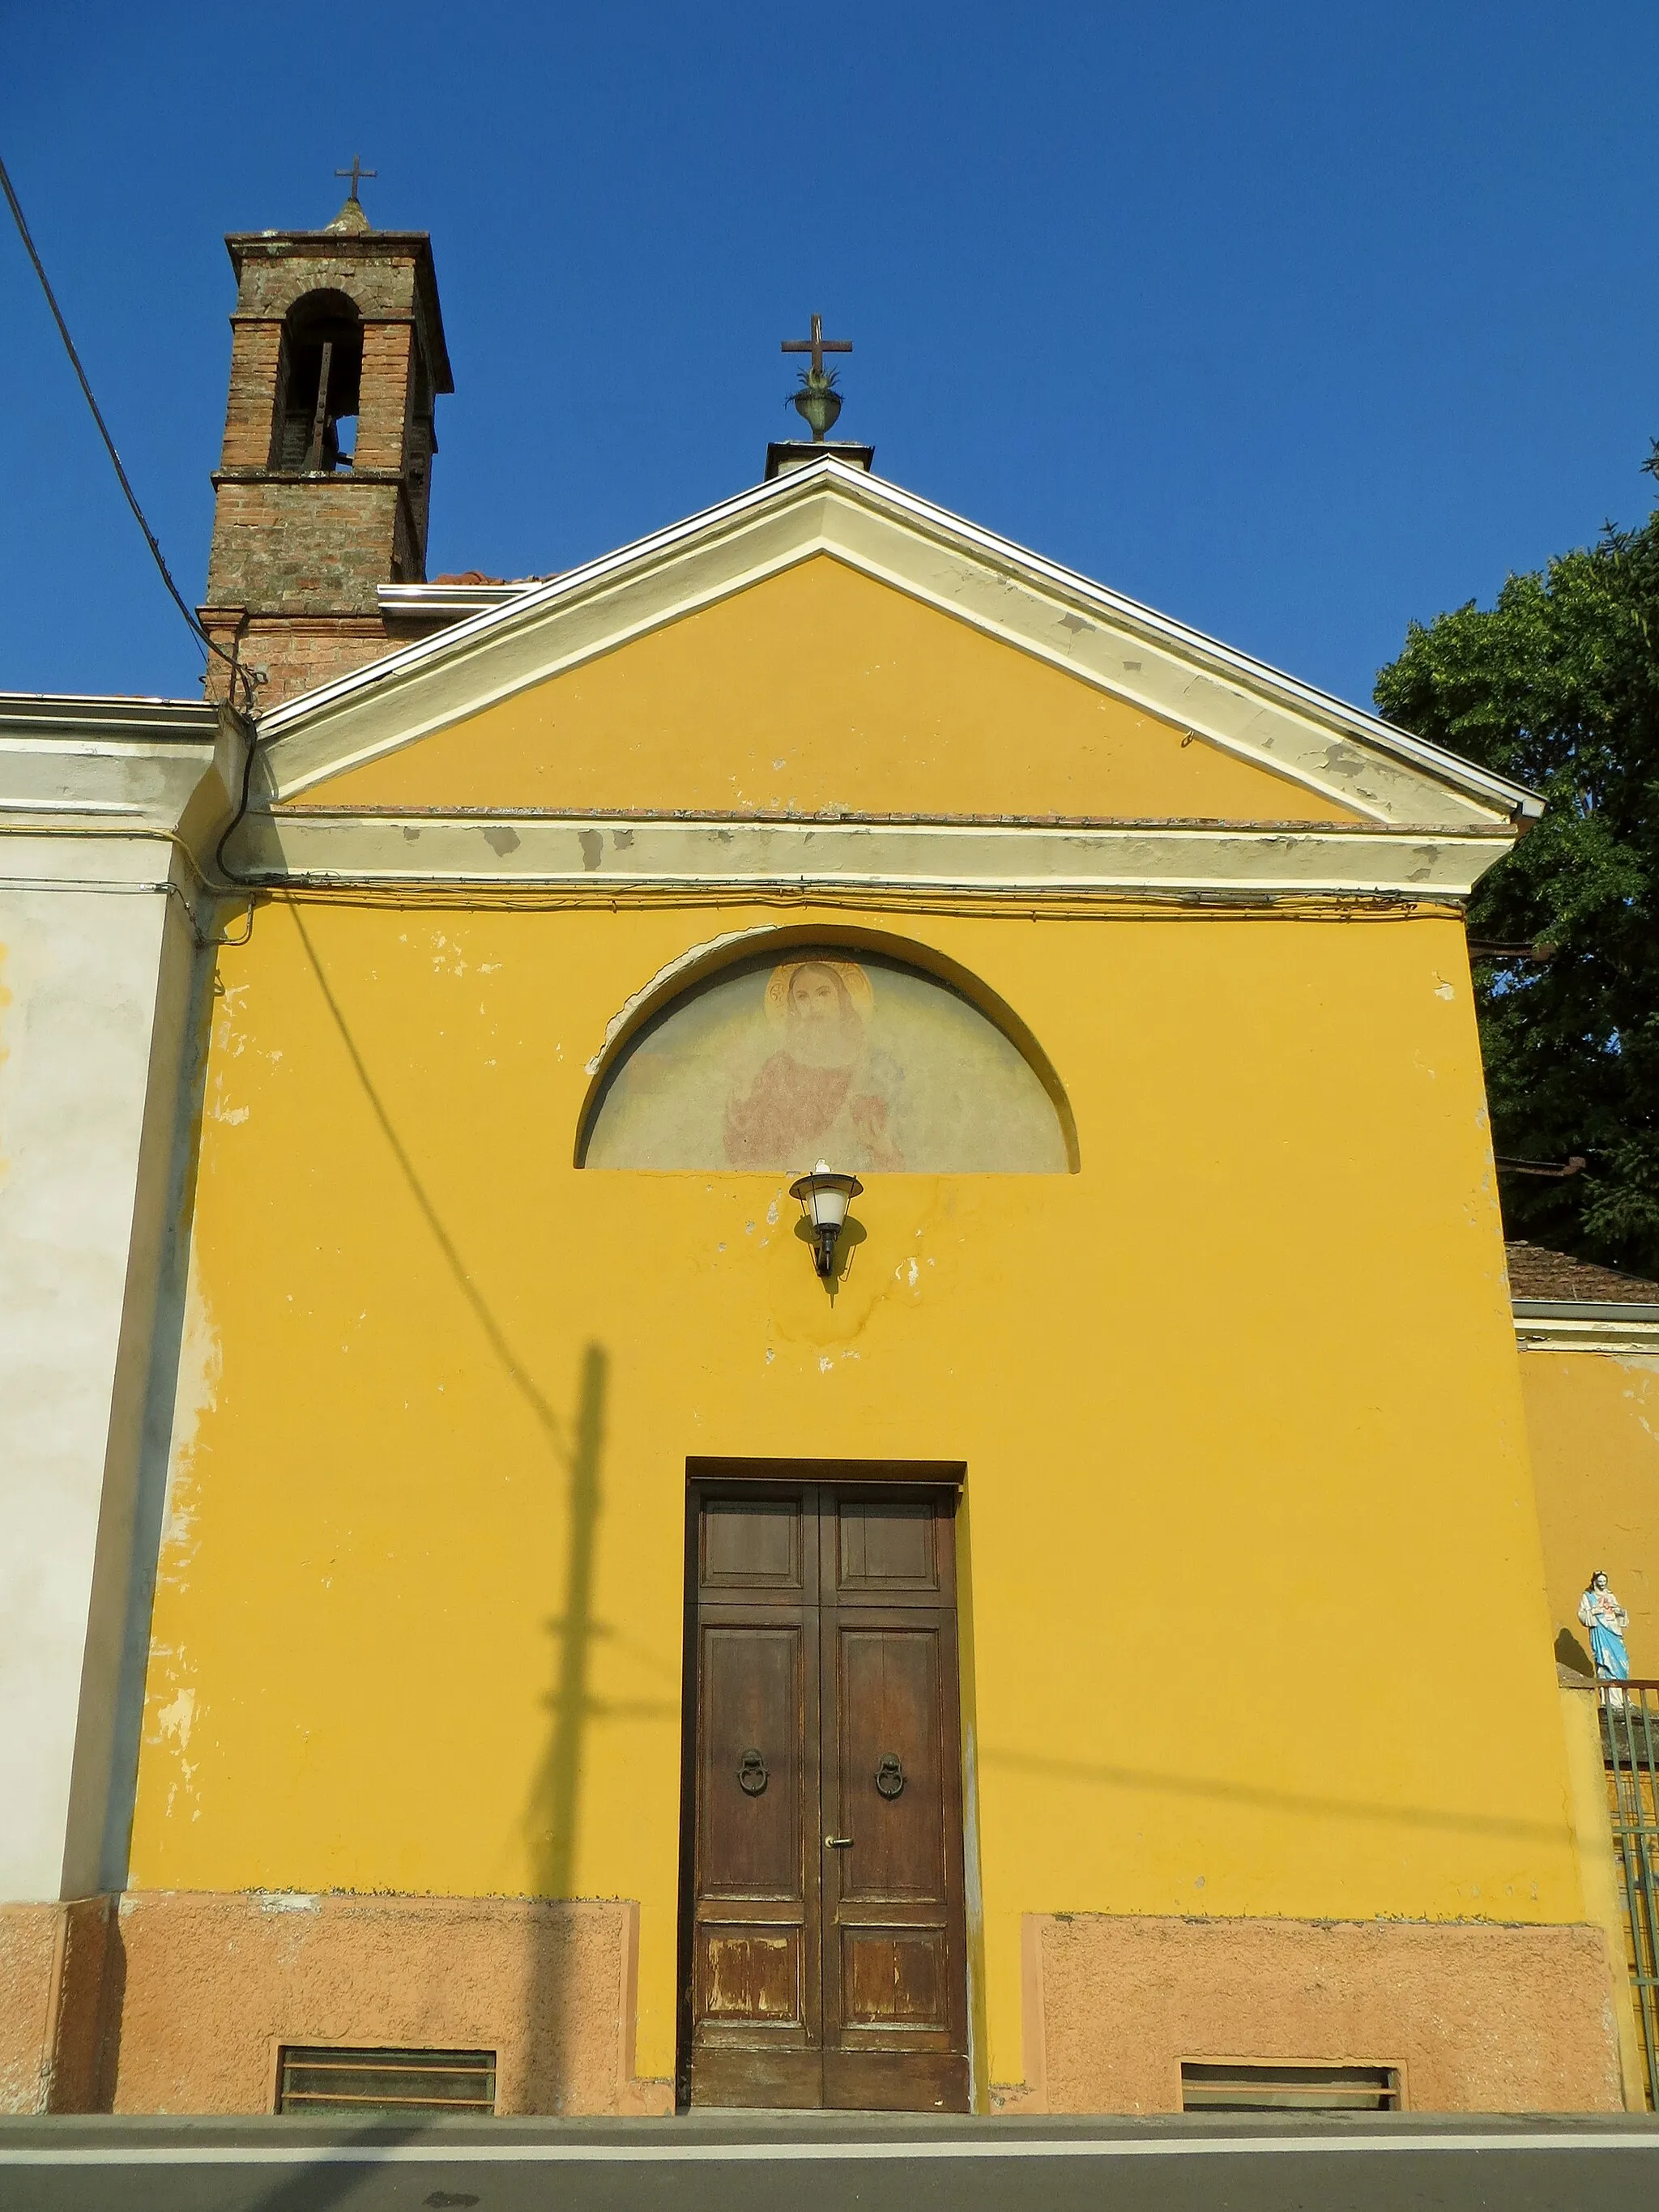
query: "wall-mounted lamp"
824, 1197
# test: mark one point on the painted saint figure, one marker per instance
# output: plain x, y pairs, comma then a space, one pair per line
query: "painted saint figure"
1607, 1621
825, 1091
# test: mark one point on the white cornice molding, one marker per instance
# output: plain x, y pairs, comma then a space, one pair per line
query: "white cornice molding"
103, 778
1168, 670
68, 716
446, 602
606, 853
114, 860
1583, 1325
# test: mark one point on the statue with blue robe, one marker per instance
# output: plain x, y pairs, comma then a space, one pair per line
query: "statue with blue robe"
1606, 1620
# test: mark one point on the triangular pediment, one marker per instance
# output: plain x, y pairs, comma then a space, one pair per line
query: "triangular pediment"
819, 691
827, 683
829, 645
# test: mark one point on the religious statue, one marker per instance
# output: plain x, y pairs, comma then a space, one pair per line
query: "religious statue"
1607, 1621
825, 1090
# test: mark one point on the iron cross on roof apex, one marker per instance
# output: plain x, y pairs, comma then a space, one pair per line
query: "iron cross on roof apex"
817, 345
357, 172
817, 402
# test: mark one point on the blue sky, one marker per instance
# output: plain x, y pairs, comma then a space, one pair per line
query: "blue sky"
1295, 321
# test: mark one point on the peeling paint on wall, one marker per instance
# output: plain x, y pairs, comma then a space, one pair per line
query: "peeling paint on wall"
172, 1698
200, 1366
664, 976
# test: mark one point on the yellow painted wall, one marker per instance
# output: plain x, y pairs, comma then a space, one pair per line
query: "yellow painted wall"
1593, 1420
1249, 1506
820, 688
1604, 1887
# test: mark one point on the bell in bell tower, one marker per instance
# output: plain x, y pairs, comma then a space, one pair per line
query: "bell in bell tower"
321, 494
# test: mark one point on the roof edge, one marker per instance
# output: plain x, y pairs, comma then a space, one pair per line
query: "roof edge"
1587, 1309
72, 714
1518, 803
1580, 1325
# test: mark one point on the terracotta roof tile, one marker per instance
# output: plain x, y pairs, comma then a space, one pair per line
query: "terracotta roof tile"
477, 576
1536, 1273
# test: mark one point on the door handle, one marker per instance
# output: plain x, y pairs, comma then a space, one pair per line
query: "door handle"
839, 1843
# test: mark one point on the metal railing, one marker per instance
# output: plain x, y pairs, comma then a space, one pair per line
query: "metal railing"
1629, 1714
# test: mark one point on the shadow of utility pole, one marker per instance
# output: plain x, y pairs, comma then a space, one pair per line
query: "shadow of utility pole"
553, 1815
322, 2187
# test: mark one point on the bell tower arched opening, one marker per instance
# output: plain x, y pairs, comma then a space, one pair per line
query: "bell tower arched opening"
318, 384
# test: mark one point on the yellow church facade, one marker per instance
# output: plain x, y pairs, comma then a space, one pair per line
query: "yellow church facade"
529, 1613
1245, 1522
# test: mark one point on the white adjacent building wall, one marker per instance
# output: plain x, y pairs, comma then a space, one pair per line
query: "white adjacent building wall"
78, 970
98, 970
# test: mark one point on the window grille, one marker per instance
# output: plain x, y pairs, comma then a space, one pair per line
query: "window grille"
313, 2079
1213, 2086
1629, 1754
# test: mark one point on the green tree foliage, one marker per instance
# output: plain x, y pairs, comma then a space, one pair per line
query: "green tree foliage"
1557, 686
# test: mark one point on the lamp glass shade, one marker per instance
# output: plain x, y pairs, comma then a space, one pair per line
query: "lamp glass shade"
826, 1194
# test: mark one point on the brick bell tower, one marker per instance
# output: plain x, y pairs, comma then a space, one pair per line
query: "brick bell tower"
336, 356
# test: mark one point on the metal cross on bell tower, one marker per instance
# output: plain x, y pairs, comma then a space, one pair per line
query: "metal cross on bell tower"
357, 172
817, 402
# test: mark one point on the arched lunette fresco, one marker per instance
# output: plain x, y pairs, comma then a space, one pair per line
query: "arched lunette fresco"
808, 1050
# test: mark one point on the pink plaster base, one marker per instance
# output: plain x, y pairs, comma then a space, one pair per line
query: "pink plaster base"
1477, 2018
201, 1990
29, 1942
181, 2002
52, 1976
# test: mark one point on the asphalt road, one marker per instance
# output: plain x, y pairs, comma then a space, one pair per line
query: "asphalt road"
819, 2164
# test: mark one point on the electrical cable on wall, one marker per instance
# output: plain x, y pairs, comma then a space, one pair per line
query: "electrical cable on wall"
209, 645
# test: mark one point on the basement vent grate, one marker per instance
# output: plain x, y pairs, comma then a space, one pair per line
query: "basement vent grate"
319, 2079
1219, 2087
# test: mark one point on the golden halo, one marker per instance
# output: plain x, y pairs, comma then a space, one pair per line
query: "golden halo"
856, 983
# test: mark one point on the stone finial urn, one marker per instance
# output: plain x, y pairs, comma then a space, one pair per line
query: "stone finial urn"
817, 402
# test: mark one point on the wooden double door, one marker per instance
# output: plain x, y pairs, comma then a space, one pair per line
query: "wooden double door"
824, 1916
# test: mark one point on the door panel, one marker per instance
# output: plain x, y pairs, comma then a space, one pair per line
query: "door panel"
751, 1974
826, 1947
753, 1689
756, 1981
895, 1944
893, 1978
888, 1544
891, 1801
751, 1543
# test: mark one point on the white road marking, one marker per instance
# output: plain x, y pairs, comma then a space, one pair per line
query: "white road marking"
752, 2154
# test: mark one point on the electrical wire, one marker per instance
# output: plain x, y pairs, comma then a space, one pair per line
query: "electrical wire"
208, 644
